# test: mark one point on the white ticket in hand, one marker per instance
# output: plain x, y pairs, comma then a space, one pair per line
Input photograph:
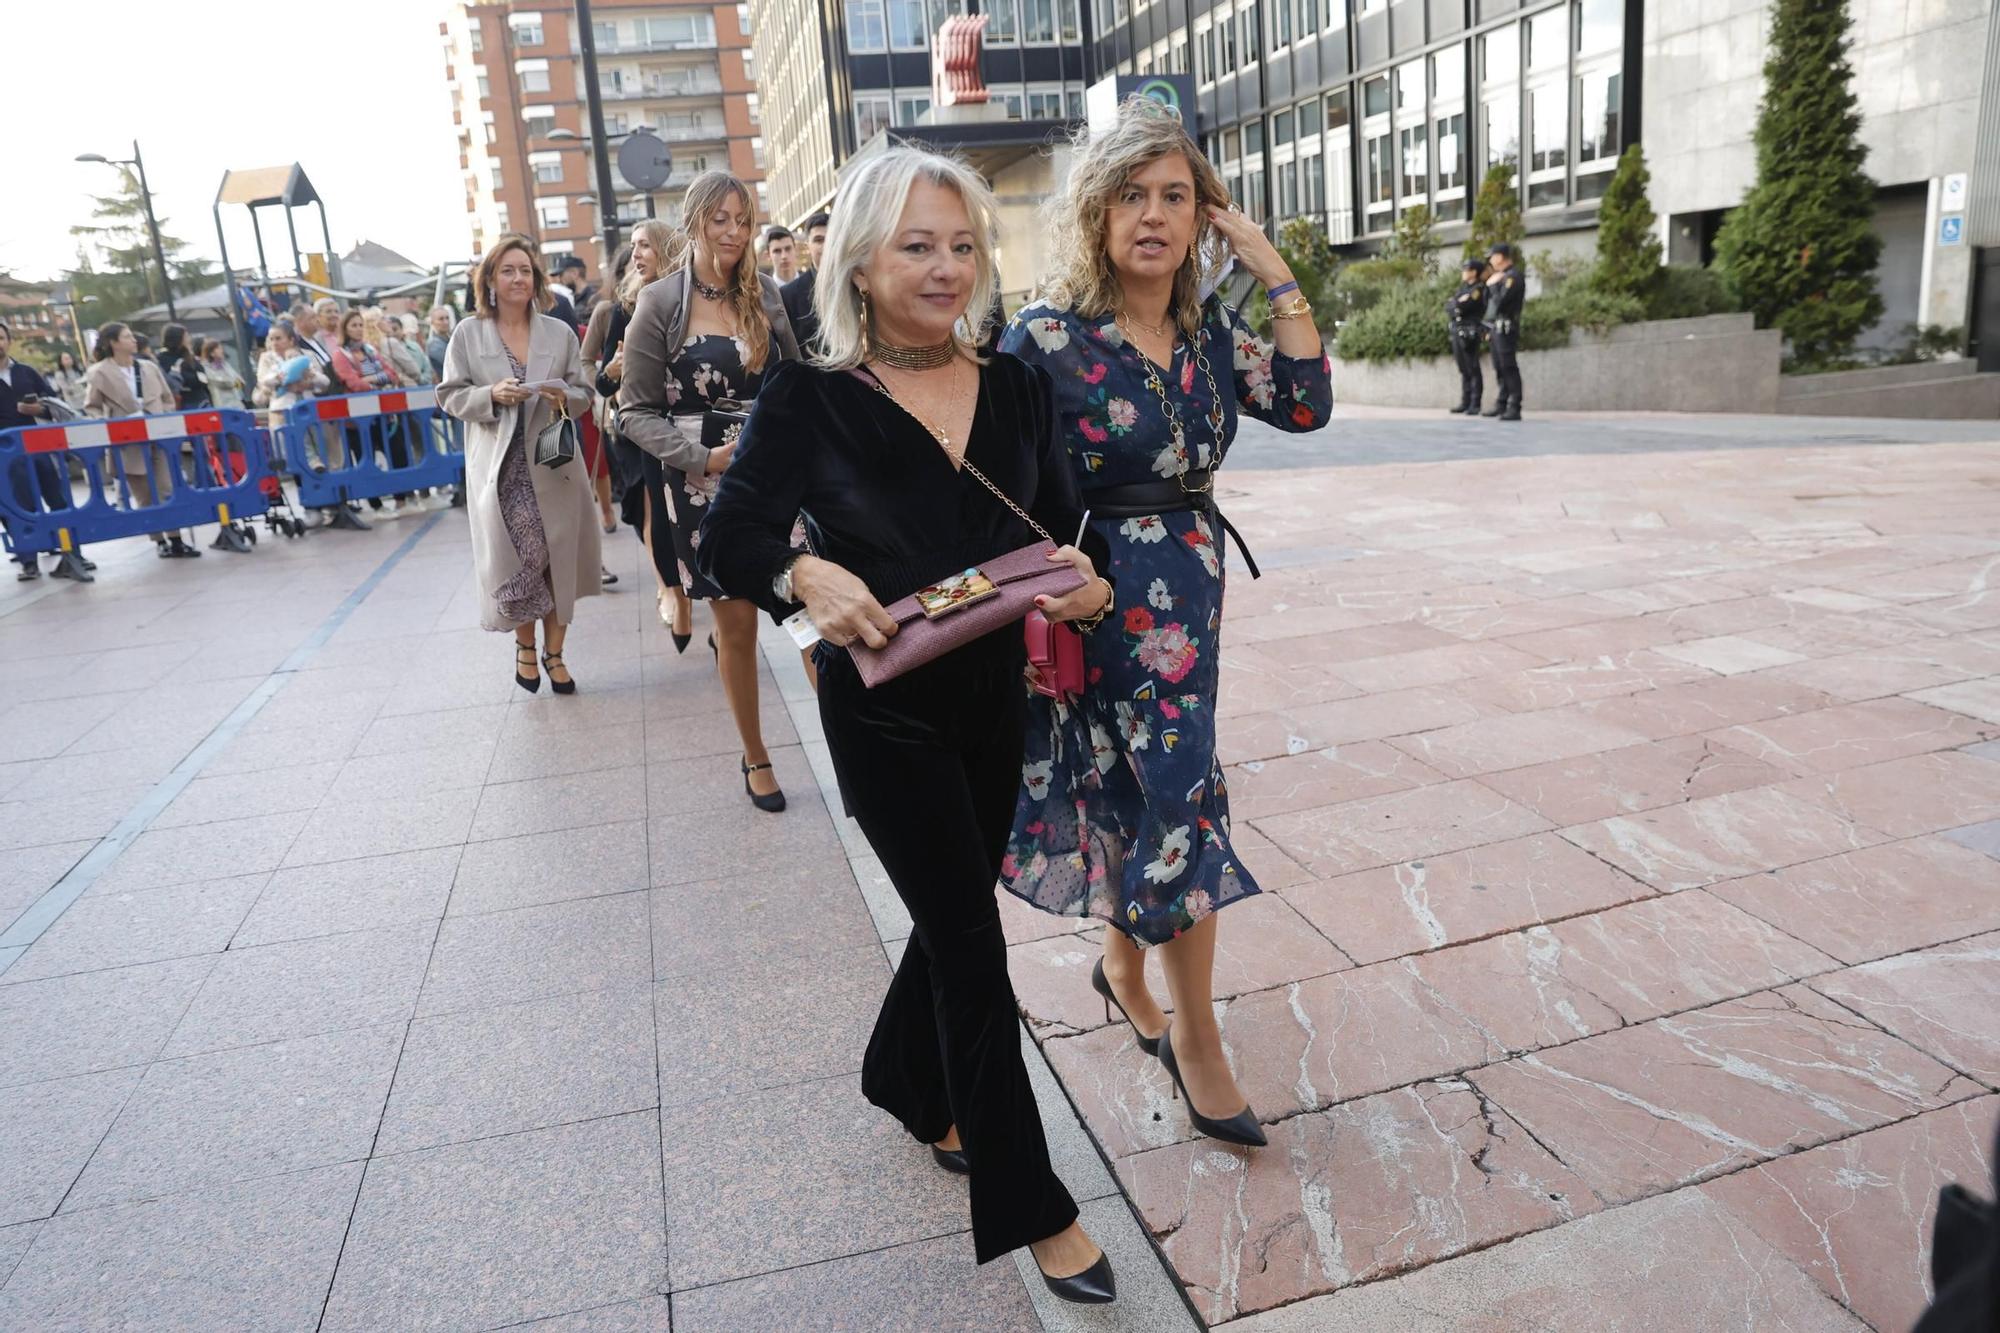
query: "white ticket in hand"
804, 633
539, 385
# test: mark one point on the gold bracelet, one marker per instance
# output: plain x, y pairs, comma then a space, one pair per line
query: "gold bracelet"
1297, 307
1091, 622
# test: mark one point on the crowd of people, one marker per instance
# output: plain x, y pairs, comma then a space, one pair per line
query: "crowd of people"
855, 450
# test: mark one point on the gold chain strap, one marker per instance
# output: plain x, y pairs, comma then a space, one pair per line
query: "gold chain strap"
965, 463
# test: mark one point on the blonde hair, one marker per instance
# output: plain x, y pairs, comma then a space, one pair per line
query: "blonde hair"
1081, 275
866, 209
669, 253
482, 277
745, 287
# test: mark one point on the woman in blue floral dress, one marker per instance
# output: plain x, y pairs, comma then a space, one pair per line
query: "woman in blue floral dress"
1123, 813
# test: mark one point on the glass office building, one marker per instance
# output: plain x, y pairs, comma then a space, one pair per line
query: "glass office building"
1353, 111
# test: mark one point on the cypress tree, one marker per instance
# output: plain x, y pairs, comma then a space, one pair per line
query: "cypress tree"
1800, 251
1628, 251
1496, 213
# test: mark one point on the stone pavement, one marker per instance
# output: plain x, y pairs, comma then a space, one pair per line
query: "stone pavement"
1628, 827
1628, 961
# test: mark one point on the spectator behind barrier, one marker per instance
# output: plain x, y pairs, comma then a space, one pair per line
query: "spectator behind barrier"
123, 383
225, 386
399, 340
286, 372
67, 379
443, 320
361, 368
24, 395
183, 369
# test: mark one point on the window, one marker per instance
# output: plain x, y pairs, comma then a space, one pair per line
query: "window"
906, 25
866, 28
757, 150
1012, 101
1251, 21
1177, 54
605, 35
871, 114
1309, 16
553, 212
1448, 74
1003, 27
1204, 54
1548, 46
496, 178
743, 18
1309, 124
500, 216
1288, 189
1548, 120
1339, 167
1252, 197
1375, 96
1073, 103
533, 74
679, 30
1379, 156
1598, 144
527, 29
1038, 20
749, 65
1500, 55
1225, 47
909, 110
553, 254
1281, 129
1046, 105
547, 167
1365, 7
1069, 13
1312, 186
478, 38
1415, 142
1600, 26
1410, 90
485, 86
1502, 129
1281, 24
539, 120
1449, 130
1253, 139
756, 108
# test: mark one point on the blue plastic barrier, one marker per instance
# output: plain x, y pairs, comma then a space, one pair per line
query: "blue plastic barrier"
117, 453
361, 446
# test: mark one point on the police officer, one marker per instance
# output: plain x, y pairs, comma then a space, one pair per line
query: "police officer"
1508, 292
1466, 311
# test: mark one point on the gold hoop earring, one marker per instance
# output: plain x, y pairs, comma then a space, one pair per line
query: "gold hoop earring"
867, 324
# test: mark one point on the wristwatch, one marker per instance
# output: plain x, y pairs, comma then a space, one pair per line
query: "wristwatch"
781, 586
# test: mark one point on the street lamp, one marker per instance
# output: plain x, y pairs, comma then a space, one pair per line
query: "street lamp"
152, 223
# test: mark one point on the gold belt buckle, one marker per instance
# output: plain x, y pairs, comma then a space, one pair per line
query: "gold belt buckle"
955, 593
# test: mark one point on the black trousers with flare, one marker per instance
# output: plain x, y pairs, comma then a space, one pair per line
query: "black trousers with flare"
930, 763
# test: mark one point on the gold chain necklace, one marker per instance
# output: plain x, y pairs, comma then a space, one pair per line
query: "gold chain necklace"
1156, 381
942, 437
1160, 331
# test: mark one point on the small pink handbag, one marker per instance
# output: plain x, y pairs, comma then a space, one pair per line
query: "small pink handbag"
1056, 653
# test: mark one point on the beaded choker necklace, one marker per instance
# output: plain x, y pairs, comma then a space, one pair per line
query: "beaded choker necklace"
914, 358
712, 293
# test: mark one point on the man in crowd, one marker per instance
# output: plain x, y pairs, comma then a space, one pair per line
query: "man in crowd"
781, 250
565, 284
798, 293
1508, 292
1465, 311
24, 401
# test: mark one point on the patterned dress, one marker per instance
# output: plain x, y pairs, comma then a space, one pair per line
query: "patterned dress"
708, 369
527, 596
1123, 813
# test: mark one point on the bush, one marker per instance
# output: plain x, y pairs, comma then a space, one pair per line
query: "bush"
1546, 320
1685, 291
1556, 271
1628, 253
1416, 239
1496, 213
1406, 320
1358, 286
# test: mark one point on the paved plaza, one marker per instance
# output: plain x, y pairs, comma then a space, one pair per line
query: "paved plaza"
1626, 794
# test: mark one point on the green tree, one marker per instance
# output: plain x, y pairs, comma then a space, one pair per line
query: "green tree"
1416, 239
1800, 251
1496, 213
115, 268
1628, 251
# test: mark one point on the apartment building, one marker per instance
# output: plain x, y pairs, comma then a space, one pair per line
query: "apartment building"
685, 71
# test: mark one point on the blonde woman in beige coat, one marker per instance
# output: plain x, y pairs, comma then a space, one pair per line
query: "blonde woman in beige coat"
534, 528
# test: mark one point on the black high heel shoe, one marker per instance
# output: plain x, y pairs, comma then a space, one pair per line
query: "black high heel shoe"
549, 662
1241, 1128
681, 641
774, 803
1102, 985
1095, 1285
713, 647
953, 1160
529, 683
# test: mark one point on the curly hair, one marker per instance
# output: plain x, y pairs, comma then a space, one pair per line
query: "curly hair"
1081, 275
706, 193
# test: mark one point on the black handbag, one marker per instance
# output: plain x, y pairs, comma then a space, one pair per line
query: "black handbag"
556, 444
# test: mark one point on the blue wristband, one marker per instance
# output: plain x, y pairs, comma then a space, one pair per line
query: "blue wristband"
1280, 290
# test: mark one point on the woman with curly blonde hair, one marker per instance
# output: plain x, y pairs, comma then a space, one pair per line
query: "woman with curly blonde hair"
1122, 812
706, 334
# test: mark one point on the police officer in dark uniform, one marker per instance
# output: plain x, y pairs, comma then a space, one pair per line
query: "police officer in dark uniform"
1466, 312
1508, 292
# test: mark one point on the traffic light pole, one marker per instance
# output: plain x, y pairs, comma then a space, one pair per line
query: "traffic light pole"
600, 149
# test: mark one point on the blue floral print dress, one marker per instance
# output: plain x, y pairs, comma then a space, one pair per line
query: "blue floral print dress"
1123, 813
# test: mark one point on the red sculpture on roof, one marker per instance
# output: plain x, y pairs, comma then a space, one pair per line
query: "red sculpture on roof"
956, 79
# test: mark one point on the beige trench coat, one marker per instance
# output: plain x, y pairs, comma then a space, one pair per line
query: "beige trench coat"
473, 364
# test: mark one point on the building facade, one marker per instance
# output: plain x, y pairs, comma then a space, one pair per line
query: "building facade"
837, 72
515, 69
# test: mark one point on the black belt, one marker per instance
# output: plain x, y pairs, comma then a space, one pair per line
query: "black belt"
1191, 491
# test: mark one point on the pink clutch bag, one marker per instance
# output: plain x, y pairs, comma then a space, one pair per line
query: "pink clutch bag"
1056, 653
952, 612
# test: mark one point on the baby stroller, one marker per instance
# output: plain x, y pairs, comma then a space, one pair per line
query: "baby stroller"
240, 534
